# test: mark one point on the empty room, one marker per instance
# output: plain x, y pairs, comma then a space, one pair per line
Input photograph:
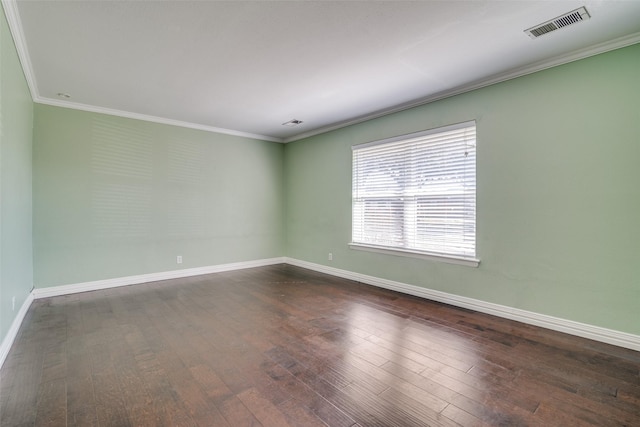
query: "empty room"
319, 213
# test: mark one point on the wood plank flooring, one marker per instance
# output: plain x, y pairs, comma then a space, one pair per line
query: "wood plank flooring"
283, 346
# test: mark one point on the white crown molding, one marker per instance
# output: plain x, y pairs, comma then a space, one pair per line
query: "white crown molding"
12, 333
15, 27
154, 119
596, 333
577, 55
39, 293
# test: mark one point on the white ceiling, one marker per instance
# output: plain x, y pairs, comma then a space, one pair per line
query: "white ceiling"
246, 67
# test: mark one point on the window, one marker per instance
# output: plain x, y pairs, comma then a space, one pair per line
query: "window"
417, 194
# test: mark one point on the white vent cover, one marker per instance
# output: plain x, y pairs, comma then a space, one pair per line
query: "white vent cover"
570, 18
292, 123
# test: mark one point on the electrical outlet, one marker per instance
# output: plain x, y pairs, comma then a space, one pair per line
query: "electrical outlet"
330, 256
179, 259
13, 303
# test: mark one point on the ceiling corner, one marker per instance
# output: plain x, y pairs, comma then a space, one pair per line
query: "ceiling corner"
15, 27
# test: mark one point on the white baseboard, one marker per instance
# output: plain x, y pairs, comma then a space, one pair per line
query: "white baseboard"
596, 333
7, 342
151, 277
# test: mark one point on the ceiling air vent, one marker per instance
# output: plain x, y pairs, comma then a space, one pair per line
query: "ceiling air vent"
570, 18
292, 123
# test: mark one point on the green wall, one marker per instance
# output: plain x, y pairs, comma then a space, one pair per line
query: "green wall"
16, 118
116, 197
558, 198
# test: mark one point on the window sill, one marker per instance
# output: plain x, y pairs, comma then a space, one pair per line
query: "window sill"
469, 262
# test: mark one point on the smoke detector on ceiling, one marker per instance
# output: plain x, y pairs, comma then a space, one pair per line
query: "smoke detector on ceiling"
565, 20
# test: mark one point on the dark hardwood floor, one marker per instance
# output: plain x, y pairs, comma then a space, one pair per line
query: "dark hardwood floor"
283, 346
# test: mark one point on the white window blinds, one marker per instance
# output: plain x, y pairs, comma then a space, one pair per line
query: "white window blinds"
417, 193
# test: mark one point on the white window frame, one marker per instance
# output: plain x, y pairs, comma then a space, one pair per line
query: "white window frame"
401, 199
